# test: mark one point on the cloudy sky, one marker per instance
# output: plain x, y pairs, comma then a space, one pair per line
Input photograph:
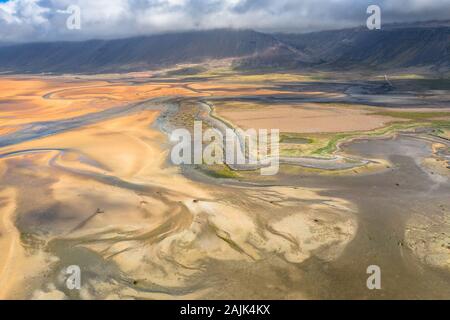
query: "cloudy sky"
41, 20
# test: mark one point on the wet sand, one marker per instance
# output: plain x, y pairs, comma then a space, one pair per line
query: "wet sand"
104, 198
388, 206
98, 191
302, 118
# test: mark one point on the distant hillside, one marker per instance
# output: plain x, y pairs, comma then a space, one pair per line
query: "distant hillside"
395, 46
133, 53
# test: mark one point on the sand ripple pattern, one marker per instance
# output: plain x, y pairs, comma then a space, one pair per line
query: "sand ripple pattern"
104, 198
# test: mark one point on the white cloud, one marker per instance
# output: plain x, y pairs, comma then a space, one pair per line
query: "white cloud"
25, 20
23, 12
19, 19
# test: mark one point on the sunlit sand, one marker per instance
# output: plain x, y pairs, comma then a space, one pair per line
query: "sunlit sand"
105, 195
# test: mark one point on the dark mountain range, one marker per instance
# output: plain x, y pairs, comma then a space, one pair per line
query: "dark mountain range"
133, 53
395, 46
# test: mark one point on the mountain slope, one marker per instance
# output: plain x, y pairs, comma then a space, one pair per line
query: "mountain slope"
395, 46
391, 47
133, 53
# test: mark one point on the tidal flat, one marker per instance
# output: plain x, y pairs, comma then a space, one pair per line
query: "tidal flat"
86, 179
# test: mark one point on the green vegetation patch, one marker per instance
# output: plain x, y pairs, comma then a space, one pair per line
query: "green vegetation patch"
188, 71
227, 74
289, 138
414, 115
434, 84
220, 171
324, 145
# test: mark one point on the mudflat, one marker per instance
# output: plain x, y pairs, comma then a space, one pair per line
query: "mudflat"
86, 179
